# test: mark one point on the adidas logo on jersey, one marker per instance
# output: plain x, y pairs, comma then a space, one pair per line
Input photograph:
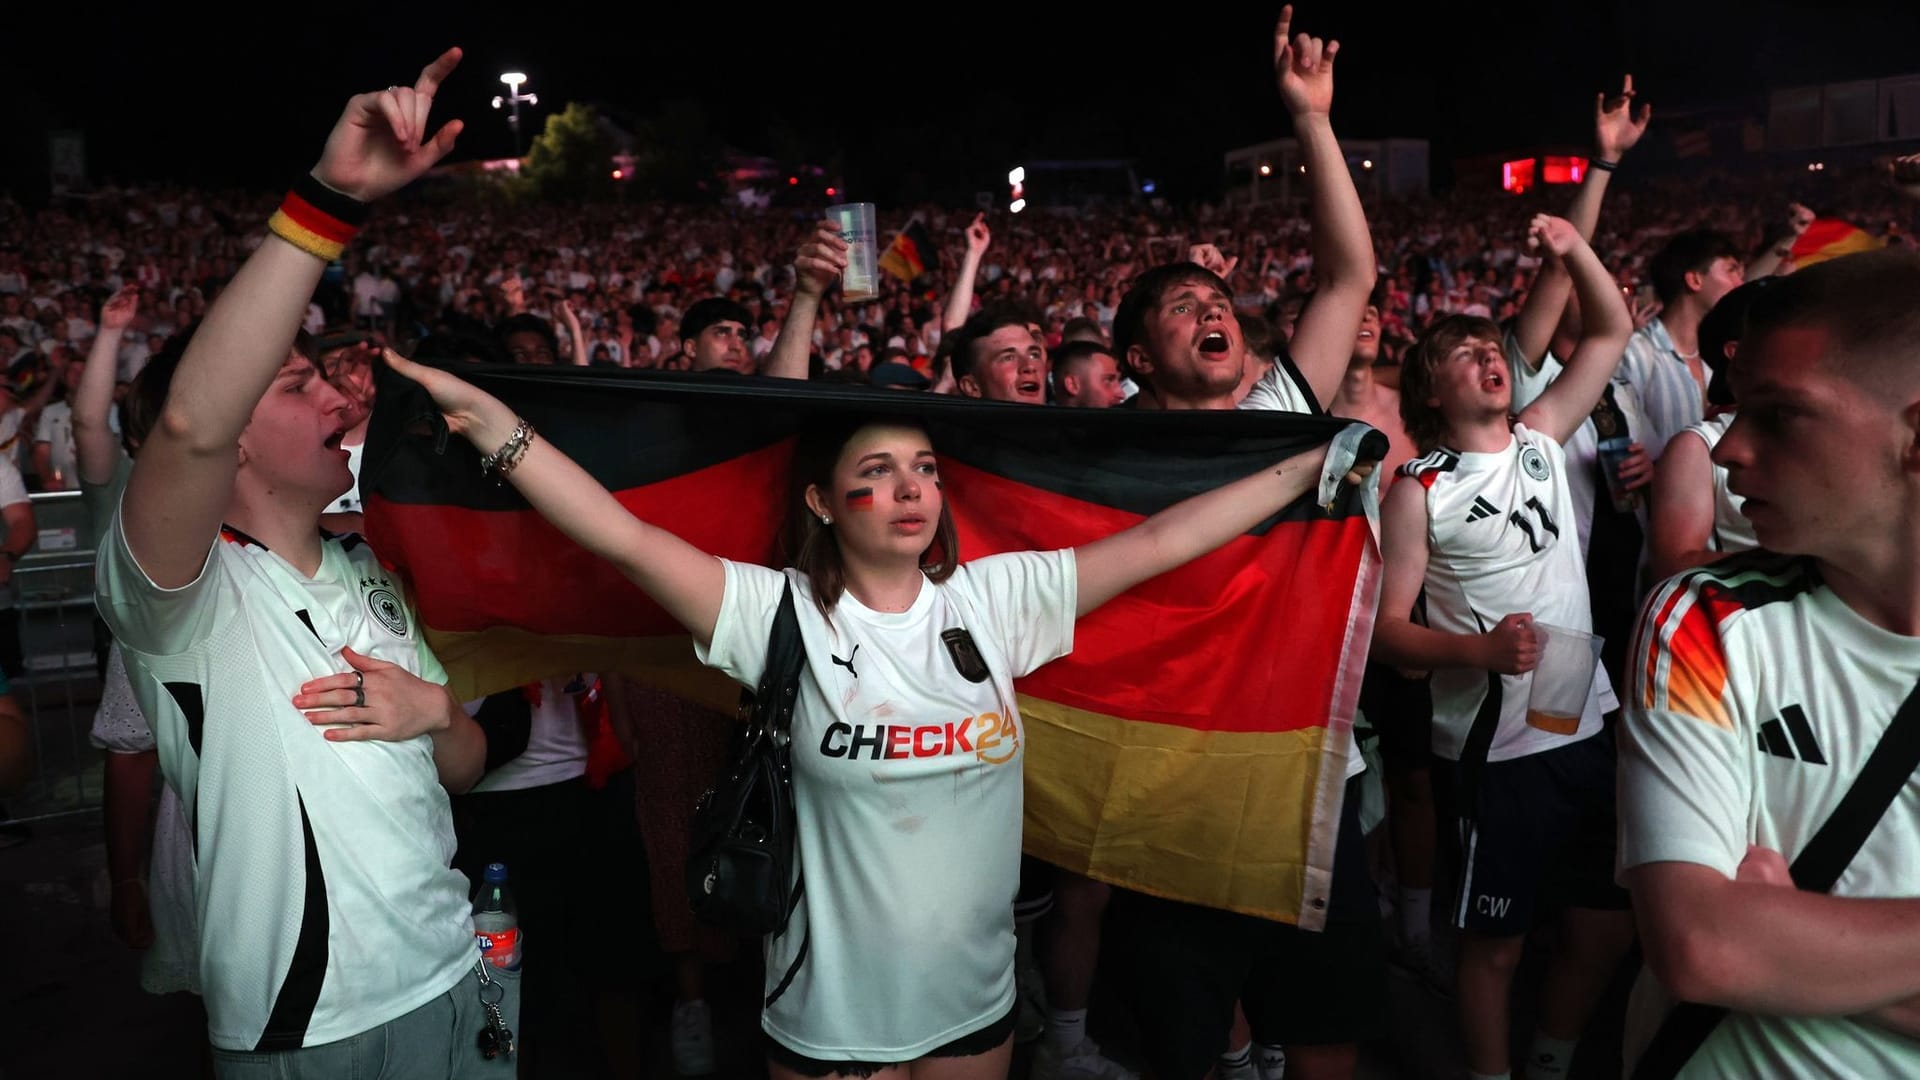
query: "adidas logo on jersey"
1791, 724
1482, 510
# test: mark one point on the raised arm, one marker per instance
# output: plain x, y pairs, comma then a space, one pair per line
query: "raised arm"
960, 301
687, 582
821, 260
93, 442
1510, 647
1606, 325
1343, 266
1777, 250
183, 480
579, 340
1616, 129
1192, 527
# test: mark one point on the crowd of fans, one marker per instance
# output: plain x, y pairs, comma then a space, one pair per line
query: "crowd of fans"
618, 279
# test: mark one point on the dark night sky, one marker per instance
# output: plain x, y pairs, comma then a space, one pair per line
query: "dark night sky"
1172, 85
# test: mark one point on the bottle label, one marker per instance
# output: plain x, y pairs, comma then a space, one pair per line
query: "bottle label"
500, 947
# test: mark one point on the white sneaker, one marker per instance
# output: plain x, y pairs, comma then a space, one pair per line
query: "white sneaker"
693, 1053
1270, 1062
1083, 1062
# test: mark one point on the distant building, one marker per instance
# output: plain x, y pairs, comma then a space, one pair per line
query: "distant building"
1267, 171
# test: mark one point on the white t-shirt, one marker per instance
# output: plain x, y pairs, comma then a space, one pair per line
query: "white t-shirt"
1282, 389
322, 878
907, 784
349, 502
556, 747
1497, 543
1731, 529
56, 430
13, 491
1757, 697
1669, 394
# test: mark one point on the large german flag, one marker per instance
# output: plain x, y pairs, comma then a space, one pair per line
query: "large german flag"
1192, 746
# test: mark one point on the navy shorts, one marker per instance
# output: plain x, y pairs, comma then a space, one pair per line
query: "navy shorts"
1400, 710
1536, 835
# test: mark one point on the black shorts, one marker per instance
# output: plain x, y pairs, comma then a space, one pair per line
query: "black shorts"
969, 1045
1537, 836
1183, 966
1034, 899
1401, 711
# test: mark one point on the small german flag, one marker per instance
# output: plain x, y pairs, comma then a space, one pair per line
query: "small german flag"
911, 253
1830, 238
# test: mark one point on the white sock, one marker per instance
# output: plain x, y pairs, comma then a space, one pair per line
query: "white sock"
1238, 1059
1066, 1027
1273, 1060
1416, 915
1550, 1058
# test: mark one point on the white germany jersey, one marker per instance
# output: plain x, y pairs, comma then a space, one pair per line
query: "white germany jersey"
1731, 529
321, 870
907, 756
1500, 540
1757, 696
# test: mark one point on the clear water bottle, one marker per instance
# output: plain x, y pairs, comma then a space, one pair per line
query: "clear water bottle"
496, 925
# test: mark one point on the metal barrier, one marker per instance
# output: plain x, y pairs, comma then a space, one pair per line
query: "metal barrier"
53, 586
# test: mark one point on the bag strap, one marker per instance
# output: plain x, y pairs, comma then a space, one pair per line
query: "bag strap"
779, 690
1818, 866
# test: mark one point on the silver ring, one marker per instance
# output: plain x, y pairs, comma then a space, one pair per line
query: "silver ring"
391, 89
359, 679
359, 697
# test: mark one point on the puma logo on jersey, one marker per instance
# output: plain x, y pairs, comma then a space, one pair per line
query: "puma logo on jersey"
1792, 722
848, 662
1482, 510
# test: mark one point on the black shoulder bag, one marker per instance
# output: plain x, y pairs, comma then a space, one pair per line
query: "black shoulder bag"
739, 870
1819, 865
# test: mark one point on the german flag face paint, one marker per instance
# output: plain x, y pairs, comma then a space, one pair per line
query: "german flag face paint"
860, 499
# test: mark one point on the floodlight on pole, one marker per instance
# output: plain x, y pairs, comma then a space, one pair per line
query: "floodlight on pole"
512, 100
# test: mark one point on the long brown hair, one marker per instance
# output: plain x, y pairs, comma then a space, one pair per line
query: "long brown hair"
812, 547
1423, 421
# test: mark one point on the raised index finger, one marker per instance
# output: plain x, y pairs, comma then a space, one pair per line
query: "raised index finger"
1280, 32
435, 73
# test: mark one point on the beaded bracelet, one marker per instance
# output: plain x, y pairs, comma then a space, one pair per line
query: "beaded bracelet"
503, 461
317, 219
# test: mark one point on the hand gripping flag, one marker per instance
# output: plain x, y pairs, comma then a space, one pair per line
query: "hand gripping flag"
1192, 746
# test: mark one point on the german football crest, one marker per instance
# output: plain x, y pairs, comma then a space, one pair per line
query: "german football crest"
966, 655
385, 606
1535, 462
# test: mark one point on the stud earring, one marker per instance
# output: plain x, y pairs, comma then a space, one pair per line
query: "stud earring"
825, 520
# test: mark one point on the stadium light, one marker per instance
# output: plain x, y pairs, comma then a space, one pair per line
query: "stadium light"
512, 100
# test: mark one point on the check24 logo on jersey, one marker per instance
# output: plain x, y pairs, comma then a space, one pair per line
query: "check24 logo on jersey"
990, 737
